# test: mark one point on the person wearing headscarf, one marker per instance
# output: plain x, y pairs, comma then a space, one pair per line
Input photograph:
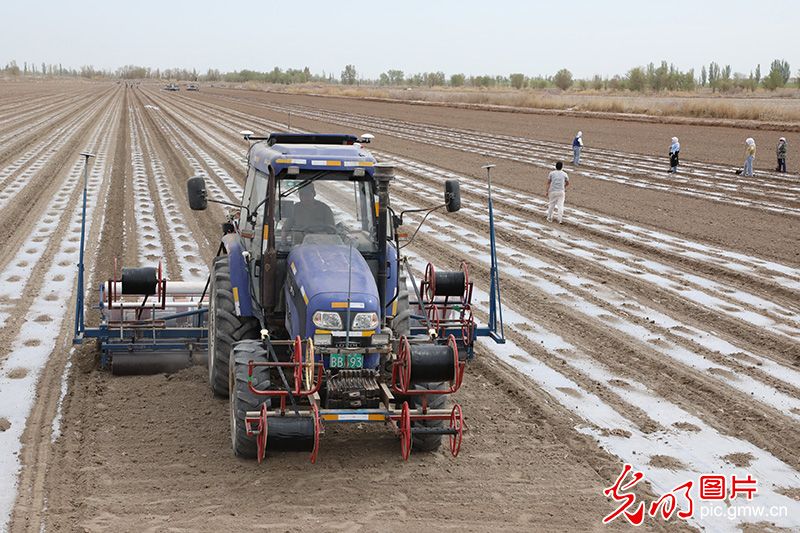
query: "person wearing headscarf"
750, 155
781, 152
674, 150
577, 145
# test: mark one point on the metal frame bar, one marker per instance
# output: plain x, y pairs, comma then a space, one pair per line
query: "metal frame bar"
496, 330
79, 316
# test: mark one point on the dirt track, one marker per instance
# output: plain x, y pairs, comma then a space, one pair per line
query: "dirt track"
658, 326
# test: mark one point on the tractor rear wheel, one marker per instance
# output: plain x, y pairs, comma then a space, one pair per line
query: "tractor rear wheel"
224, 327
242, 399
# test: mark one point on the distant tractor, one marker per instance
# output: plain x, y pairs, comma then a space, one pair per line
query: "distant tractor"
310, 319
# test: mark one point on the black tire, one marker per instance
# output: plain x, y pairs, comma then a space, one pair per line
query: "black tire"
224, 327
428, 443
242, 398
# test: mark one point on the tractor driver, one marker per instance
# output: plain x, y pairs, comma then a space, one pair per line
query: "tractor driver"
308, 214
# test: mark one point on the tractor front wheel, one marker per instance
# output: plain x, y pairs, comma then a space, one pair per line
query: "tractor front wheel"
242, 399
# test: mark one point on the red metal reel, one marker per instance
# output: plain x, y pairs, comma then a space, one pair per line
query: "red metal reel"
434, 318
297, 368
430, 282
404, 364
405, 431
453, 344
261, 438
401, 371
466, 296
317, 430
457, 424
459, 366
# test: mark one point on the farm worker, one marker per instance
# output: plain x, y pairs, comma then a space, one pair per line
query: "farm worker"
674, 150
577, 145
781, 151
557, 183
750, 155
308, 214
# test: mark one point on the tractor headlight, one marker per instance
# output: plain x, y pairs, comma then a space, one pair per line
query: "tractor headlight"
364, 321
327, 320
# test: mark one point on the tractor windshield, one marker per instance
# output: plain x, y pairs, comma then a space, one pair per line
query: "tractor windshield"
325, 211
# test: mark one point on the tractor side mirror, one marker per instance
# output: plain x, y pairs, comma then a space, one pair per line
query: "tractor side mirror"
452, 195
196, 188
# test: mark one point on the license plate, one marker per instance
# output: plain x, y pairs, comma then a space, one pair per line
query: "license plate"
346, 360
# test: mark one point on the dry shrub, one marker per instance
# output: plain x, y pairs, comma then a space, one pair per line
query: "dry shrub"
612, 105
784, 107
720, 110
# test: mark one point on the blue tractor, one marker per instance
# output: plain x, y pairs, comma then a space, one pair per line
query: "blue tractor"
309, 317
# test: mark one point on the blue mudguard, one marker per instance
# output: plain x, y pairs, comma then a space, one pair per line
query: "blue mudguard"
240, 279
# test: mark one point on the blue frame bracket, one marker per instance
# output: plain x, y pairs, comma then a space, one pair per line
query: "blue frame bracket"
80, 327
496, 330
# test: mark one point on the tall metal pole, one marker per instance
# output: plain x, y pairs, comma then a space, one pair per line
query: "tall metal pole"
495, 307
79, 319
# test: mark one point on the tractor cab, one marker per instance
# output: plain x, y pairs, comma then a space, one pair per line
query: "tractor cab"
312, 192
307, 246
310, 219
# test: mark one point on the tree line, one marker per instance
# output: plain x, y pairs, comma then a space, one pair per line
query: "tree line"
43, 69
649, 78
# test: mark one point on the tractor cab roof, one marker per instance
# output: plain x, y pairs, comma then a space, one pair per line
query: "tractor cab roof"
311, 138
314, 152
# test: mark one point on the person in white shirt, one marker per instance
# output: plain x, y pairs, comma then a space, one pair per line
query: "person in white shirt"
557, 183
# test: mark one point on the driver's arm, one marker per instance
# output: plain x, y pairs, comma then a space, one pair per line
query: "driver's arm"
328, 216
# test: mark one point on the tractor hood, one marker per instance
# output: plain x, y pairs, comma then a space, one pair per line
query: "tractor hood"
320, 273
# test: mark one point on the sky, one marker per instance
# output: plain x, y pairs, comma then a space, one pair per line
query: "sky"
588, 37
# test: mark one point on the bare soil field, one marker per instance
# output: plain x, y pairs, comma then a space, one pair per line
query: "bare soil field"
762, 109
638, 152
659, 326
